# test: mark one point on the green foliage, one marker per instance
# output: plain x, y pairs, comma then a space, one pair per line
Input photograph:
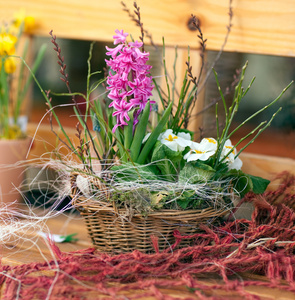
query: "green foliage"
134, 172
196, 172
166, 160
130, 157
151, 141
259, 184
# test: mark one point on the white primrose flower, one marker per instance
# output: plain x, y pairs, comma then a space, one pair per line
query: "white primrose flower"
184, 135
230, 158
237, 164
209, 143
175, 142
201, 151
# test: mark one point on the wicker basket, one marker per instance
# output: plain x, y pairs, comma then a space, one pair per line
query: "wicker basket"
115, 230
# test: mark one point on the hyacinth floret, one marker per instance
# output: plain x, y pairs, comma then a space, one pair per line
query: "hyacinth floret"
129, 80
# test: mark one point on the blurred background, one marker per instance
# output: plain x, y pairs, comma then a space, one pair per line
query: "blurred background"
272, 74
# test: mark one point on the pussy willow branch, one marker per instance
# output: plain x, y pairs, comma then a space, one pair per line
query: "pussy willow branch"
202, 53
64, 78
137, 13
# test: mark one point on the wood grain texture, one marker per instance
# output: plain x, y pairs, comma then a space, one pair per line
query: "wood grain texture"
259, 26
266, 166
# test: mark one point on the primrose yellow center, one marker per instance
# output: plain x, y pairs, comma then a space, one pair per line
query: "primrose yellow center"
198, 152
211, 140
171, 138
228, 147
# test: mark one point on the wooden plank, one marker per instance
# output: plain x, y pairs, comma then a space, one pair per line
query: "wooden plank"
266, 166
264, 26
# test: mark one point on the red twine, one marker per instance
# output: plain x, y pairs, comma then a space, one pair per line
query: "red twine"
264, 245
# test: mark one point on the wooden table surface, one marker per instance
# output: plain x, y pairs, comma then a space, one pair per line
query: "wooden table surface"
34, 249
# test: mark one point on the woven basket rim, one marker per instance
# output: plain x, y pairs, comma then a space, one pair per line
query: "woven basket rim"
92, 205
189, 214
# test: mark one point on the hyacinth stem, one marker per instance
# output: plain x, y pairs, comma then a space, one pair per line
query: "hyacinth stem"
217, 121
166, 72
159, 93
242, 139
231, 111
139, 132
20, 83
35, 67
180, 107
128, 130
174, 75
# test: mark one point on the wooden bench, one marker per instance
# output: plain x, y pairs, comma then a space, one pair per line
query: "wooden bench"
262, 27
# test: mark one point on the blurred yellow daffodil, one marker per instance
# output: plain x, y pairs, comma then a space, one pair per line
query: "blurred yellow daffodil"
7, 43
9, 65
15, 86
28, 22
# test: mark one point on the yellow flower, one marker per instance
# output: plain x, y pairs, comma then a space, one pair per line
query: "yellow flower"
28, 21
30, 24
19, 17
14, 132
9, 65
7, 44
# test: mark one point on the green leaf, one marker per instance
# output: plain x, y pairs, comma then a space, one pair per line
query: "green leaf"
154, 136
130, 172
139, 132
240, 181
166, 160
259, 184
183, 203
128, 131
195, 172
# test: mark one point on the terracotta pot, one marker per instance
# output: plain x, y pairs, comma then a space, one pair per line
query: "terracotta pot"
12, 157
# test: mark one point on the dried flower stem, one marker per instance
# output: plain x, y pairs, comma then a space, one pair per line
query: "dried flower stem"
137, 19
64, 78
195, 80
228, 27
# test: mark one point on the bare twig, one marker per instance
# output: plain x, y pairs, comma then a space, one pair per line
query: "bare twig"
194, 79
229, 26
137, 19
202, 85
228, 90
51, 121
64, 78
